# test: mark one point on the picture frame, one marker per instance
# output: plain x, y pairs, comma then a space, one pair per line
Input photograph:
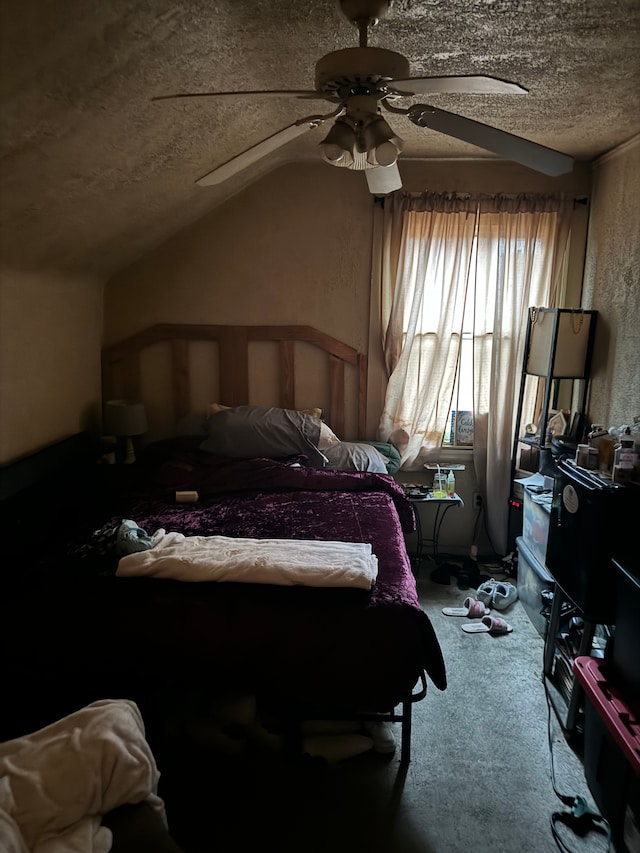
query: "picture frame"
464, 429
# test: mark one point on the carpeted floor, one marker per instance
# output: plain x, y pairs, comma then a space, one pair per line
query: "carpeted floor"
479, 779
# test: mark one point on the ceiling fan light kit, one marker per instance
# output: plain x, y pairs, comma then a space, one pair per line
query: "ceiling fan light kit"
361, 139
359, 81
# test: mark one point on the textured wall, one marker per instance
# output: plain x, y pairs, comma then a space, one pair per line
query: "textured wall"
50, 380
612, 286
295, 247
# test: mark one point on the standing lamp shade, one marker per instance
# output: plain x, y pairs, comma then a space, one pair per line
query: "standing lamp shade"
559, 342
124, 419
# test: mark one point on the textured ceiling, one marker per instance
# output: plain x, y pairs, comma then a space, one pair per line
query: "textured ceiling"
93, 173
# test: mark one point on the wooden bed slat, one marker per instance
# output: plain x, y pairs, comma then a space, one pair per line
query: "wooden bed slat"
234, 367
180, 381
336, 394
287, 375
362, 393
122, 360
131, 376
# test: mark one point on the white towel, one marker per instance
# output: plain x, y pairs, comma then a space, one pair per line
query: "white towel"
56, 783
305, 562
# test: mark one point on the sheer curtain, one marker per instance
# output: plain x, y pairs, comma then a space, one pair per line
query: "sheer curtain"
453, 264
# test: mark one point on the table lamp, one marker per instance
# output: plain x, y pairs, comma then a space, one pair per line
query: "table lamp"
125, 419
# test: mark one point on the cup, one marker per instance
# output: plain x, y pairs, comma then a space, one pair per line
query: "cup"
439, 485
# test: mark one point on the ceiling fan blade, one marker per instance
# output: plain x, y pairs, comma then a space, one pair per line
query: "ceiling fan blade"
256, 152
530, 154
383, 180
460, 84
279, 93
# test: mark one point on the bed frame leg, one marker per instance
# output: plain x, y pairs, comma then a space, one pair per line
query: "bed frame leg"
405, 744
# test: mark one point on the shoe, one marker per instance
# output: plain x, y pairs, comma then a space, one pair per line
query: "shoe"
472, 608
485, 591
489, 625
504, 595
382, 735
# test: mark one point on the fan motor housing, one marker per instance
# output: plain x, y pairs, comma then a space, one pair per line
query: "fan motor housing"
359, 70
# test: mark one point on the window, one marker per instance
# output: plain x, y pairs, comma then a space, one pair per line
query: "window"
462, 283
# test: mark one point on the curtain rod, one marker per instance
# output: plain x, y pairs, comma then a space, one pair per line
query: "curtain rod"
380, 199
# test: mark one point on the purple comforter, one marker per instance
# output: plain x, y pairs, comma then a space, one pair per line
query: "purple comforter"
291, 646
264, 498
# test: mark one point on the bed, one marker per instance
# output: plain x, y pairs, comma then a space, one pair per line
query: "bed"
304, 651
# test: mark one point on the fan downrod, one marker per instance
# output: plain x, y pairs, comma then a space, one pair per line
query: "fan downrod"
364, 14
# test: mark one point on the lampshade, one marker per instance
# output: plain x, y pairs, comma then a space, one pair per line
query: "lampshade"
124, 418
339, 144
561, 334
382, 145
361, 142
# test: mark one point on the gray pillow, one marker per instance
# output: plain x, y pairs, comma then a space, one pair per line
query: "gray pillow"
246, 432
354, 456
195, 423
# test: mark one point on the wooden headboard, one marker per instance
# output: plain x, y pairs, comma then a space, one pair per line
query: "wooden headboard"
344, 382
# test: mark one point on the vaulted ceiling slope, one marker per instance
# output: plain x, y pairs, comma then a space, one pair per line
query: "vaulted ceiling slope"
93, 173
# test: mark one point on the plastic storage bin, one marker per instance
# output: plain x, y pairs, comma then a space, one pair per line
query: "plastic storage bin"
535, 526
611, 753
625, 657
533, 577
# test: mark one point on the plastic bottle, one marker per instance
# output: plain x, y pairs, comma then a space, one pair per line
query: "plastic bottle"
624, 459
451, 485
582, 455
596, 437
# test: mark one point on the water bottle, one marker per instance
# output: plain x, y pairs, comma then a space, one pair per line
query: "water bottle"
624, 459
597, 438
451, 485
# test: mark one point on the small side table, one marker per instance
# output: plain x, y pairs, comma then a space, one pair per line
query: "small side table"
442, 507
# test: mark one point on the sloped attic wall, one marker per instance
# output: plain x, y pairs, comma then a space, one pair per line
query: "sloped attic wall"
295, 247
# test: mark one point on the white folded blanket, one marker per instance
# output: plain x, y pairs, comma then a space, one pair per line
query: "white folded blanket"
284, 562
56, 783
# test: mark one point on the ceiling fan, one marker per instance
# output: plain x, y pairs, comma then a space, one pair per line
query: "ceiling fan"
362, 81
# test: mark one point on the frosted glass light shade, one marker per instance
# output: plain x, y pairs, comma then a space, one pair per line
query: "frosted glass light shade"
570, 329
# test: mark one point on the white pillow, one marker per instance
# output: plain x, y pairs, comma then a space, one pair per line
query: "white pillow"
328, 438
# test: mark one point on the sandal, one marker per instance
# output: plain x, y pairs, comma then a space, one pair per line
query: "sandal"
489, 625
472, 608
